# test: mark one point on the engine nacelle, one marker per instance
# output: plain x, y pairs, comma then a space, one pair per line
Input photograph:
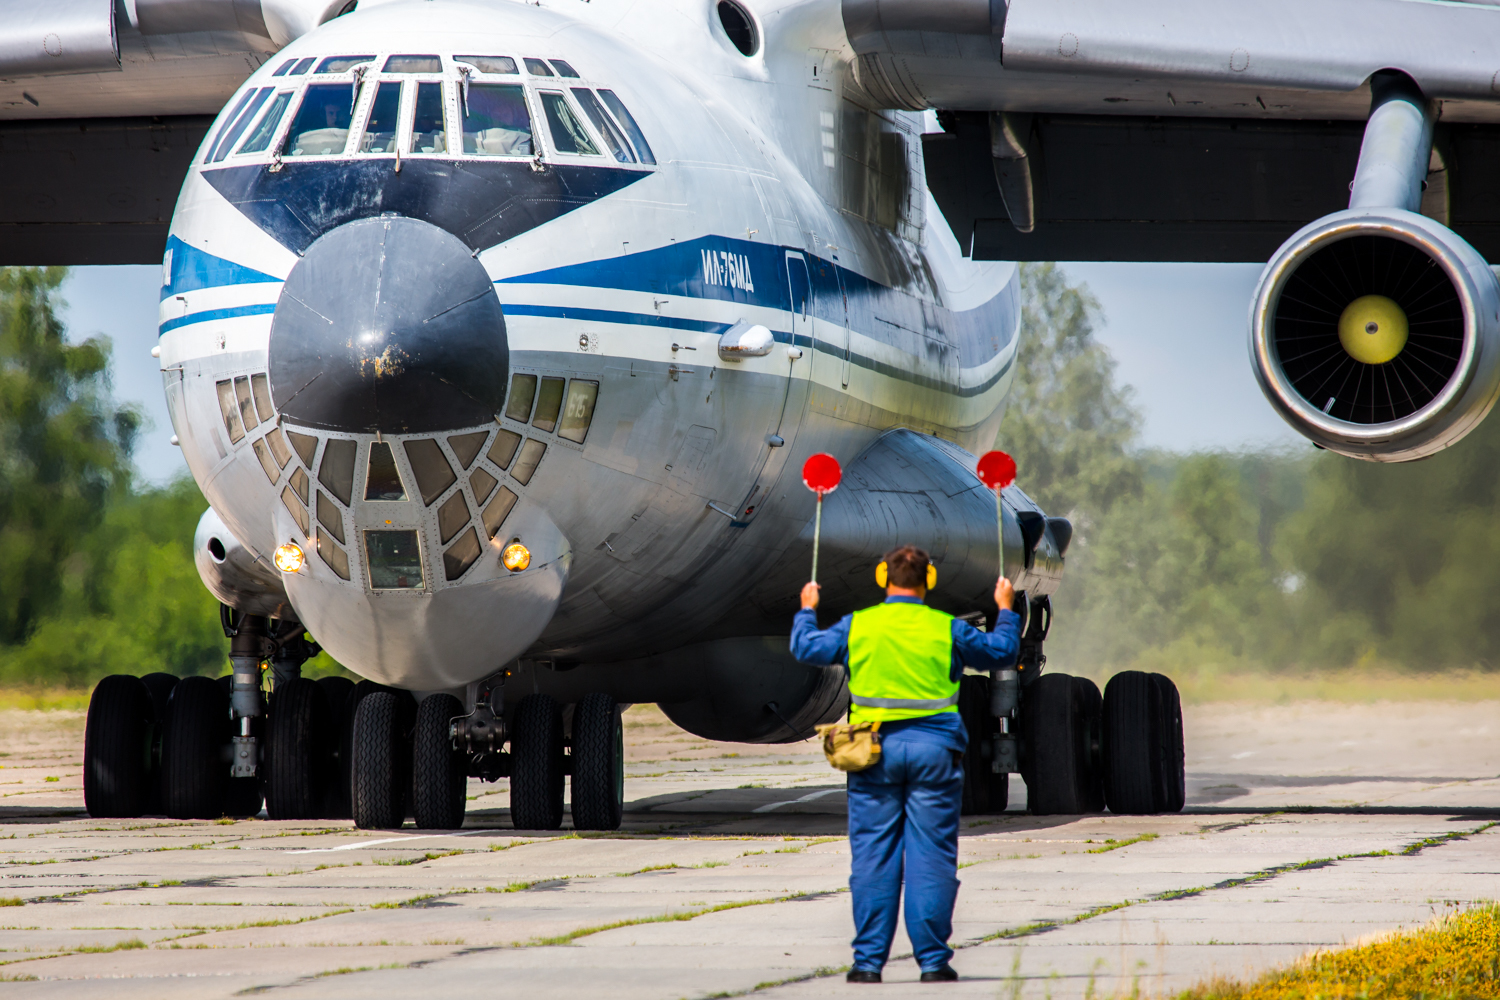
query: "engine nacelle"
234, 575
1376, 334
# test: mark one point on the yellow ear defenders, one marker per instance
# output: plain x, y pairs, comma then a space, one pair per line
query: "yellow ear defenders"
882, 576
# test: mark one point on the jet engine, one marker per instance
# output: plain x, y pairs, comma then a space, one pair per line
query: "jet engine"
1376, 334
1375, 331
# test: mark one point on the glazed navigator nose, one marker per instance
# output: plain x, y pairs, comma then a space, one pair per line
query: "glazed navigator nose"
388, 325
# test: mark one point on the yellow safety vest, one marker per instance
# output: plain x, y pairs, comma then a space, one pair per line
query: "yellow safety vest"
900, 656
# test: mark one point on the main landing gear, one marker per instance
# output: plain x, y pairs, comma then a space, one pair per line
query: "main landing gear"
1077, 751
199, 748
415, 759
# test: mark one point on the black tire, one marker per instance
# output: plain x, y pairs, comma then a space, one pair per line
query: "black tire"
338, 691
985, 792
536, 775
195, 772
300, 746
117, 742
1173, 781
598, 764
381, 775
440, 774
1142, 744
160, 686
1056, 760
1089, 704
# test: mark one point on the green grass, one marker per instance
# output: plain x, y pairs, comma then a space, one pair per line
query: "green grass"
1115, 845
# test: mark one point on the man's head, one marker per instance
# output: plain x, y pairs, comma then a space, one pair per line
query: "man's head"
907, 569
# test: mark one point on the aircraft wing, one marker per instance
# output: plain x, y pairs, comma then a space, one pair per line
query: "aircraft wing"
1175, 129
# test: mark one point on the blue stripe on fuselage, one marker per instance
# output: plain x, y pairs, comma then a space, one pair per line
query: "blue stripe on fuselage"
191, 269
755, 274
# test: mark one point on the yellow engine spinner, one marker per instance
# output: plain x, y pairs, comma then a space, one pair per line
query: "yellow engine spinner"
1373, 329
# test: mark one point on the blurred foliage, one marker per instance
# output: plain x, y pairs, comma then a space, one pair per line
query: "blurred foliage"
1455, 958
96, 572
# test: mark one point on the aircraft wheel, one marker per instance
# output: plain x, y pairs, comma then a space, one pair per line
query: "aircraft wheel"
1057, 760
195, 772
341, 711
117, 741
440, 774
160, 686
382, 760
598, 764
985, 792
536, 775
1143, 744
1090, 709
299, 750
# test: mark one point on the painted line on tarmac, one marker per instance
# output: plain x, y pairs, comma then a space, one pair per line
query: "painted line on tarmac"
387, 840
772, 807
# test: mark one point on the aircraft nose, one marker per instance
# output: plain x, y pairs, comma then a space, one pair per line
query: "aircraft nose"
388, 325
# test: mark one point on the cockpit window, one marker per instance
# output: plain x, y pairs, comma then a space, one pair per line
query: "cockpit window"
266, 130
429, 133
564, 69
321, 127
342, 64
413, 64
537, 68
228, 123
496, 122
380, 130
489, 64
281, 70
623, 115
302, 67
568, 135
607, 128
233, 133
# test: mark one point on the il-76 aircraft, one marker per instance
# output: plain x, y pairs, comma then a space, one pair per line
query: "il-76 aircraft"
496, 335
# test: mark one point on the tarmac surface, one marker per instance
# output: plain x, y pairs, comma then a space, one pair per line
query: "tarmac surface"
1308, 826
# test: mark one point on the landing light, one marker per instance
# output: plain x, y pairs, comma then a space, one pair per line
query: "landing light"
516, 557
288, 557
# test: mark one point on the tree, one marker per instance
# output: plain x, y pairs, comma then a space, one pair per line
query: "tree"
64, 446
1068, 425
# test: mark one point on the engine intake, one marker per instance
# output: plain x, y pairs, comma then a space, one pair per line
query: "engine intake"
1376, 334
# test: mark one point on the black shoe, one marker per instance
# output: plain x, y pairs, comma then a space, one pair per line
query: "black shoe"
864, 976
946, 974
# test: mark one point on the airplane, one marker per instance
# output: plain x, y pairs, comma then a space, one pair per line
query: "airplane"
495, 333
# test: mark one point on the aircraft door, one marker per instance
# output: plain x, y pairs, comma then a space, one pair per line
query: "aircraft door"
788, 418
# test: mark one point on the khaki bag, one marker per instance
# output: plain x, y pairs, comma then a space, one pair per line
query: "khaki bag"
851, 747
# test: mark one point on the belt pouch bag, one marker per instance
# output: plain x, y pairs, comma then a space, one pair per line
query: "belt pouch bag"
851, 747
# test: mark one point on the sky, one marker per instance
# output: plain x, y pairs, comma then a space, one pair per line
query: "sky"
1177, 333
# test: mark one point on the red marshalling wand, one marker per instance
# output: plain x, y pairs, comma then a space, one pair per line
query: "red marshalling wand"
997, 470
821, 474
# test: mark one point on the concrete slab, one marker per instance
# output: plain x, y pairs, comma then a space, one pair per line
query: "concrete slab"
730, 876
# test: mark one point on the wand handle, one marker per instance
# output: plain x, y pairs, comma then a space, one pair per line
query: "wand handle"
817, 536
1000, 520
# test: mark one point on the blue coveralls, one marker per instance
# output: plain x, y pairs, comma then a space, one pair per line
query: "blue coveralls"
903, 812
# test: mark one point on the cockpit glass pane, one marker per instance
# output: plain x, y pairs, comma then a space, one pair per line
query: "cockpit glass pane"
380, 130
568, 135
261, 137
233, 133
228, 123
281, 70
301, 67
429, 133
383, 481
536, 67
489, 64
626, 119
321, 127
342, 64
607, 128
394, 559
564, 69
496, 122
413, 64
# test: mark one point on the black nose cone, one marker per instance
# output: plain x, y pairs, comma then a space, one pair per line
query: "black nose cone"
388, 325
